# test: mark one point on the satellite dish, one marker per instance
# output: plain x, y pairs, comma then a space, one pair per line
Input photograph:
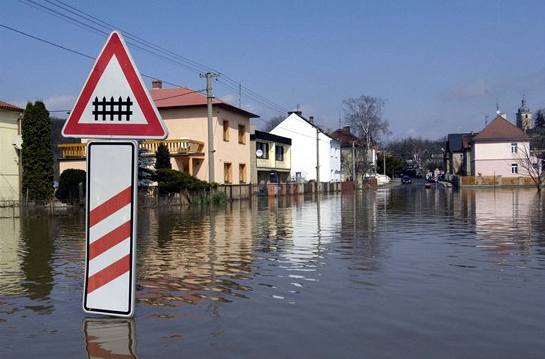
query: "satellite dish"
259, 153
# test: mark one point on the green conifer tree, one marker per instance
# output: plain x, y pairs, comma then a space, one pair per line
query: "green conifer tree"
162, 157
37, 157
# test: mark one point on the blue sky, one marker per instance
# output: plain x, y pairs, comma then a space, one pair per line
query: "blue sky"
441, 65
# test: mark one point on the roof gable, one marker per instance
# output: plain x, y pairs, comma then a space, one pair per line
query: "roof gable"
500, 130
298, 118
9, 107
185, 97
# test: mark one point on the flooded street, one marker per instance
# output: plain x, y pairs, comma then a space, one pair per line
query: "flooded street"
401, 272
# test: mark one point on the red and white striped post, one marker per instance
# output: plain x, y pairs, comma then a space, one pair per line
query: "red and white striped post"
111, 228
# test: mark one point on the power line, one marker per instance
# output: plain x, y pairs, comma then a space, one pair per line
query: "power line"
51, 43
145, 45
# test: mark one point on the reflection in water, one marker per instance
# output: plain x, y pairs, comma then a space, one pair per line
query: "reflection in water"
37, 238
10, 265
110, 338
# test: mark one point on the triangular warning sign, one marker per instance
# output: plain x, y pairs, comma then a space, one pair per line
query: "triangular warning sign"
114, 102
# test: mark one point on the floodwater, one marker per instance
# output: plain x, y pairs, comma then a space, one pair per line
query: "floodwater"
402, 272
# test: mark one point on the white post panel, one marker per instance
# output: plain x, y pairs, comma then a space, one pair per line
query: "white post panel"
111, 227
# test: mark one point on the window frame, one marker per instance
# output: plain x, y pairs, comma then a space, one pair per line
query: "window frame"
514, 147
265, 149
226, 130
242, 173
514, 168
227, 175
242, 134
279, 154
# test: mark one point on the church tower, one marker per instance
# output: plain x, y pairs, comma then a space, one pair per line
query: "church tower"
524, 116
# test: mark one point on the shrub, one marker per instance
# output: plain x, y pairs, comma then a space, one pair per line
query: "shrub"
68, 191
172, 181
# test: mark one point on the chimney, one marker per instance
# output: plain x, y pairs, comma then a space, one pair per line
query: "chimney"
297, 112
157, 84
311, 119
346, 129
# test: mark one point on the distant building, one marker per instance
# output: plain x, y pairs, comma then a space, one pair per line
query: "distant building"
457, 159
524, 116
184, 112
10, 149
495, 151
365, 163
497, 147
271, 158
304, 133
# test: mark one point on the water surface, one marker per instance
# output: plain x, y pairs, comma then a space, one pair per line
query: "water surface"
401, 272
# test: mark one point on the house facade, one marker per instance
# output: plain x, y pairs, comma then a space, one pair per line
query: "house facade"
306, 154
10, 147
364, 161
271, 158
497, 150
184, 113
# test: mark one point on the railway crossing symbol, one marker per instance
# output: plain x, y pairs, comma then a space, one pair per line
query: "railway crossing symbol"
114, 102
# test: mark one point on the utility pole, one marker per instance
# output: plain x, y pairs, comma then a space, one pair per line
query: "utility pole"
317, 159
209, 98
354, 161
384, 161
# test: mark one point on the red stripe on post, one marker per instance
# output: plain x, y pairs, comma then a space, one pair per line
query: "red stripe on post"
108, 274
109, 240
112, 205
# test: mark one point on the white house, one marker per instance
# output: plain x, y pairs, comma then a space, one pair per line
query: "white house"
303, 135
498, 149
10, 144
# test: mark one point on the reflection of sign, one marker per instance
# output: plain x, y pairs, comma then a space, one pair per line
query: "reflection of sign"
259, 153
110, 338
114, 102
111, 223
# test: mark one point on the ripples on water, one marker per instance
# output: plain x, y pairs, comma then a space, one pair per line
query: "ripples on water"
402, 272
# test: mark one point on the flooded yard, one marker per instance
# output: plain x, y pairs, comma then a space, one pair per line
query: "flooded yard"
400, 272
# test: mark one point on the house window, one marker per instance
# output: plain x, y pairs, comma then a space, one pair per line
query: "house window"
242, 134
514, 148
227, 172
226, 131
242, 173
514, 168
264, 147
279, 153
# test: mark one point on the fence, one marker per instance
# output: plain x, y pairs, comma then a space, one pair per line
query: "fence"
491, 181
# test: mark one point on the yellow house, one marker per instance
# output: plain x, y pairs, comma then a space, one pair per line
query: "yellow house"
271, 160
10, 144
184, 112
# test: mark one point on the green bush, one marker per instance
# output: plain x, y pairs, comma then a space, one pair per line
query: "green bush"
171, 181
68, 191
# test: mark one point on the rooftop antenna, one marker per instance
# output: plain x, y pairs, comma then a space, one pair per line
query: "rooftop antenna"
486, 120
340, 124
497, 107
297, 107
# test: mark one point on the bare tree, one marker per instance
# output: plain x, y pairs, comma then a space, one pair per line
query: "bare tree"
531, 166
364, 115
273, 122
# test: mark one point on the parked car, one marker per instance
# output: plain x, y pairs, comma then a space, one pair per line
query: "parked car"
406, 180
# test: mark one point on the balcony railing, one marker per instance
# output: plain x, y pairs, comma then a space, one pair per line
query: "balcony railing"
175, 147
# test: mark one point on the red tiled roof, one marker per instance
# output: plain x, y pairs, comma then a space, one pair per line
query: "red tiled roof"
9, 107
345, 137
500, 130
184, 97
